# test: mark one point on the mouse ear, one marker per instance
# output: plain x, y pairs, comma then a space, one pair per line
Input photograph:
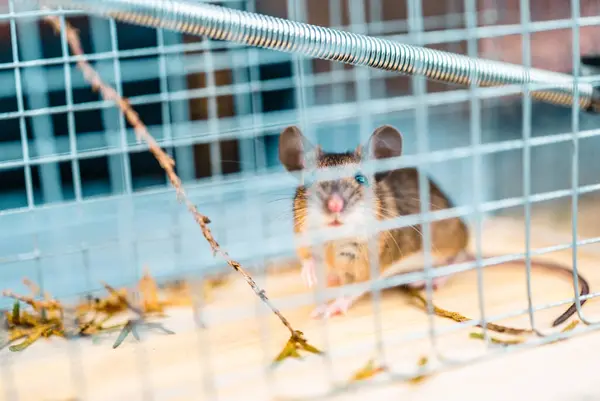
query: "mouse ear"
293, 147
386, 141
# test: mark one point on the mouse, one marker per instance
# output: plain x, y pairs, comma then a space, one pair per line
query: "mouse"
344, 202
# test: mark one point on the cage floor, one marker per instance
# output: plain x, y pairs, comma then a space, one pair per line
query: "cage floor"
236, 346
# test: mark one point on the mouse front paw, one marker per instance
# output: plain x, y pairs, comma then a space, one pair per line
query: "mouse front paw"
308, 273
338, 307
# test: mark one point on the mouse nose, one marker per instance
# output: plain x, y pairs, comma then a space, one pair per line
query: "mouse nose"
335, 204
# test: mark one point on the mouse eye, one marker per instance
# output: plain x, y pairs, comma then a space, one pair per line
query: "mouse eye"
361, 179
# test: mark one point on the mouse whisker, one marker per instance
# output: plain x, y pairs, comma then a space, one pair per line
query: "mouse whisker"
280, 216
433, 247
431, 205
279, 200
299, 223
390, 236
287, 193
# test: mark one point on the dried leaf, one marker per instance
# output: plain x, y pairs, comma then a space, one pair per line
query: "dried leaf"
132, 327
123, 334
134, 332
419, 378
33, 337
122, 298
495, 340
159, 326
298, 336
149, 292
14, 335
35, 290
568, 328
16, 314
26, 343
368, 371
571, 326
50, 318
94, 325
291, 349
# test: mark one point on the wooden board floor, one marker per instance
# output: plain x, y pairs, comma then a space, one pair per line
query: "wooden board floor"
234, 349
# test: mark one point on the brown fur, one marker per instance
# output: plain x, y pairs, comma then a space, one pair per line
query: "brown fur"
397, 194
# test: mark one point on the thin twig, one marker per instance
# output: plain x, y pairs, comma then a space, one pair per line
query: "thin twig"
165, 161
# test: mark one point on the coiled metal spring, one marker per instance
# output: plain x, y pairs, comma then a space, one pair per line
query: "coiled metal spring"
329, 44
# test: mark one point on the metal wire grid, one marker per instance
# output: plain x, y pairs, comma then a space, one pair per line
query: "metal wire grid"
129, 238
182, 95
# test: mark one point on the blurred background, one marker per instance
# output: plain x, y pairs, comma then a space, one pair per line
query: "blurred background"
81, 200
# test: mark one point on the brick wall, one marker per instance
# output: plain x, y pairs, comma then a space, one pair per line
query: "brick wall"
550, 50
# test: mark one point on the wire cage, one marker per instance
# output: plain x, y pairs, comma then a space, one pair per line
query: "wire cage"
83, 202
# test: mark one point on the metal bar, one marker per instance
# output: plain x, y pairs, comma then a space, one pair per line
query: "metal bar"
274, 248
125, 168
75, 173
133, 70
575, 123
128, 242
297, 10
244, 102
379, 27
30, 47
379, 87
415, 12
74, 350
213, 118
454, 96
110, 117
270, 180
338, 90
176, 81
475, 131
276, 120
524, 6
325, 43
6, 365
259, 163
363, 96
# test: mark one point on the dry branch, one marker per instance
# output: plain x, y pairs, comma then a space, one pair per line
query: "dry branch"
165, 161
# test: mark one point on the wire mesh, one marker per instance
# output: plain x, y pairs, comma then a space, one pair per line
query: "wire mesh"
83, 202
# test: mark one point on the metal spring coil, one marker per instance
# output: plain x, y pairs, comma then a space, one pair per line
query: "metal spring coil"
330, 44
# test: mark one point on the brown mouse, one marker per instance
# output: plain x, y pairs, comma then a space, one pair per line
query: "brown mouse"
343, 202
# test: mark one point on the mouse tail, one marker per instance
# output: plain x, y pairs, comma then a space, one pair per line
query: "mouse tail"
585, 287
585, 290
